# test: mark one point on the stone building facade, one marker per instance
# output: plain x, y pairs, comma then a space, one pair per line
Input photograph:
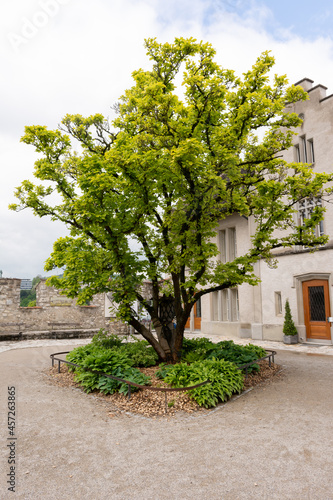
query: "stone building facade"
305, 278
54, 313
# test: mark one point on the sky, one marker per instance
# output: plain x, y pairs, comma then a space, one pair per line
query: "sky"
77, 56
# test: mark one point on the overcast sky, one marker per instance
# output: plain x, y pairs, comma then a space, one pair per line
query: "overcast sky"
77, 56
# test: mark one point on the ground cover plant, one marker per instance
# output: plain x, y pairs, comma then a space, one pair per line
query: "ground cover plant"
200, 349
223, 376
117, 360
218, 363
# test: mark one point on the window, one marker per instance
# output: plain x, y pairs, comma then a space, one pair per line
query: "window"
227, 244
278, 303
297, 154
304, 151
232, 243
215, 306
305, 209
304, 155
311, 151
234, 310
223, 245
225, 306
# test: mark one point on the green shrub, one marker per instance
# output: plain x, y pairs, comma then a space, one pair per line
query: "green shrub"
114, 362
109, 386
106, 340
163, 370
88, 380
203, 360
200, 349
289, 327
238, 354
140, 352
259, 351
198, 354
26, 297
194, 344
106, 361
78, 354
225, 380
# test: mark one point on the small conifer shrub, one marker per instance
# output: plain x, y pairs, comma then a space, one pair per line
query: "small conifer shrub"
289, 327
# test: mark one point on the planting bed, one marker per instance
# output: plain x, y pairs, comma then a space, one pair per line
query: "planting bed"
150, 403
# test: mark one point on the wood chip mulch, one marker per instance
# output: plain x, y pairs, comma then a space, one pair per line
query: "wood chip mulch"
155, 404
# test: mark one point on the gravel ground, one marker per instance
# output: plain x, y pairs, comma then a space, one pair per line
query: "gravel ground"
274, 442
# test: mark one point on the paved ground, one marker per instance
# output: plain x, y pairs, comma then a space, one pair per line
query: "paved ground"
275, 442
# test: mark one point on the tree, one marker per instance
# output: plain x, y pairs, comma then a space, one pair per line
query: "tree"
289, 327
160, 176
36, 280
28, 297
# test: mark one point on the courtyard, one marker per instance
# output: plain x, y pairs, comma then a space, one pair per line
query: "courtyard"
273, 442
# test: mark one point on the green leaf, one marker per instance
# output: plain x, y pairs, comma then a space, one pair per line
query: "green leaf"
142, 195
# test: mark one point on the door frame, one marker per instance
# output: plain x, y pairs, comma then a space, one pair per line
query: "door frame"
298, 285
191, 323
321, 330
197, 319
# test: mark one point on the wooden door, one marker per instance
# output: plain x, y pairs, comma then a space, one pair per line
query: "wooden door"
197, 316
316, 309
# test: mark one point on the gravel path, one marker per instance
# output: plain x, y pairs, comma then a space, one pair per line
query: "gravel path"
275, 442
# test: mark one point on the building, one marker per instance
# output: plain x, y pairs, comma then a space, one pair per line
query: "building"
26, 284
305, 278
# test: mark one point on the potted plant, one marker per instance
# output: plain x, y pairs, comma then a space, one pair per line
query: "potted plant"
289, 329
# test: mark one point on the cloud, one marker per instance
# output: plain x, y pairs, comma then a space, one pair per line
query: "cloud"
26, 244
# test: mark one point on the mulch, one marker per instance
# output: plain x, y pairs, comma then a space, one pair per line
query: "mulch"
154, 404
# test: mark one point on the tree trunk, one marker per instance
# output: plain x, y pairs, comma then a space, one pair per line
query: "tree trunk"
168, 344
150, 338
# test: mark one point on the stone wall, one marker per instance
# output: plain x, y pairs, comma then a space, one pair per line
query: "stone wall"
53, 312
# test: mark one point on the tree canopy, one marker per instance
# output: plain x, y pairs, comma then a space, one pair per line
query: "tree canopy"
145, 193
